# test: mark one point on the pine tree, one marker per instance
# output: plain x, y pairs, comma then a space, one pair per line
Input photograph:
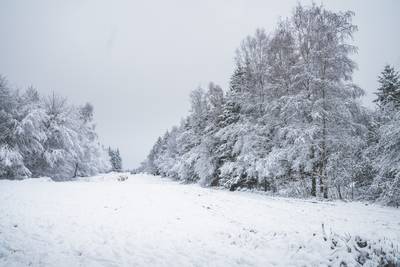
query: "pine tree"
115, 159
385, 152
389, 89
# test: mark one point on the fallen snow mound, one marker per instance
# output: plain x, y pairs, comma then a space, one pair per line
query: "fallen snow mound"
143, 220
106, 177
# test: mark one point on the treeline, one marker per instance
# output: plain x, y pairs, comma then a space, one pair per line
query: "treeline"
46, 136
291, 121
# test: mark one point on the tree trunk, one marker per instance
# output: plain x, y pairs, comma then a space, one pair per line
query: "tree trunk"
265, 184
76, 170
325, 192
352, 189
324, 134
313, 186
340, 193
321, 184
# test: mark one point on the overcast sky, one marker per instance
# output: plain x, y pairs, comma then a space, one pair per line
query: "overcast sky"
136, 61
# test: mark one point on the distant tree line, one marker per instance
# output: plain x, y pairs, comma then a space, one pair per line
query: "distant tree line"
46, 136
291, 121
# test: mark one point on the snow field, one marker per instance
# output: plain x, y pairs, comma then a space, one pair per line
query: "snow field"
148, 221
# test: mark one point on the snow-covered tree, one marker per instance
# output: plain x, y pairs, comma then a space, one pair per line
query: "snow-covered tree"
115, 159
47, 137
389, 90
387, 162
386, 146
11, 159
291, 120
325, 68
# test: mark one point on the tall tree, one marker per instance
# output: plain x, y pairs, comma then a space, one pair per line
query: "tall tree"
326, 68
115, 159
385, 151
389, 89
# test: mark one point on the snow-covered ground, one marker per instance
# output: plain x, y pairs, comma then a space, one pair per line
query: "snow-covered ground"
148, 221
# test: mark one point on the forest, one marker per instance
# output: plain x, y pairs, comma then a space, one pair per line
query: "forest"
291, 122
46, 136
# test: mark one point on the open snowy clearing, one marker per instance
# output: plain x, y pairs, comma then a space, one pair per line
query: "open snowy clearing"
148, 221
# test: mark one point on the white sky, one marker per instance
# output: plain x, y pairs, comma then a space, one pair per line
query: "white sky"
137, 61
